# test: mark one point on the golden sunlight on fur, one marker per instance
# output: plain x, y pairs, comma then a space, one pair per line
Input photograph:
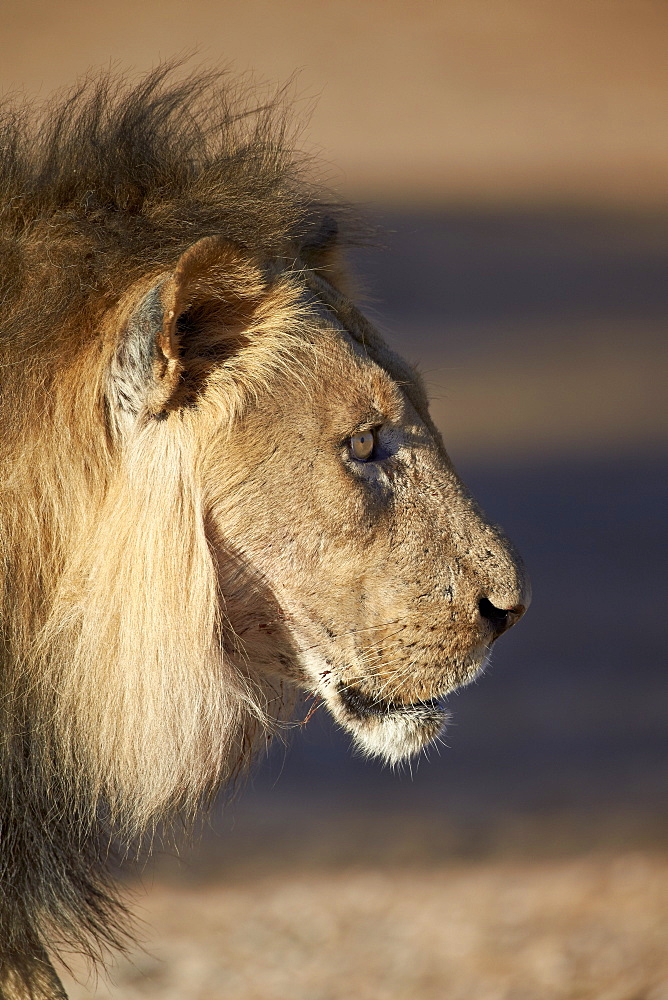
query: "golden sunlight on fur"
188, 537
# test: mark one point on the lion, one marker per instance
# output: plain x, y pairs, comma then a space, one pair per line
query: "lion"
220, 488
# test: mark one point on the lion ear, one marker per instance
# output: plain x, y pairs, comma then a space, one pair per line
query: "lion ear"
212, 283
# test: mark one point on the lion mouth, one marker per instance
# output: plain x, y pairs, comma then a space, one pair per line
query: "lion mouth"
365, 706
393, 731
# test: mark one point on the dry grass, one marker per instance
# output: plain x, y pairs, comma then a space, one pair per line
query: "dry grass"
594, 927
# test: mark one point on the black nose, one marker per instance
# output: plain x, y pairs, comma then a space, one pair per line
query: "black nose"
501, 619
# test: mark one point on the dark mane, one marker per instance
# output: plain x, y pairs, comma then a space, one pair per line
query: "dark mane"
112, 180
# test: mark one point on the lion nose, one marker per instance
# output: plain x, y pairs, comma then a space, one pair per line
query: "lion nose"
501, 619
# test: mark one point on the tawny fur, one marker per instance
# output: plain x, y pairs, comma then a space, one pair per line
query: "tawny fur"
180, 373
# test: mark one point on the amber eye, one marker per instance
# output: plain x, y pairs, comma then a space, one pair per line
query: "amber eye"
362, 445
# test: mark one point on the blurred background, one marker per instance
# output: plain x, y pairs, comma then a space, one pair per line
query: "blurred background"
515, 154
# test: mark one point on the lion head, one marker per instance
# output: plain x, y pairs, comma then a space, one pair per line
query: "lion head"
351, 562
280, 514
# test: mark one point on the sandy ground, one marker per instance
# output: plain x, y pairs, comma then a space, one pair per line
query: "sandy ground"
594, 927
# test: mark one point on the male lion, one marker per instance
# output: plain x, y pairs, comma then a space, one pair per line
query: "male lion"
218, 485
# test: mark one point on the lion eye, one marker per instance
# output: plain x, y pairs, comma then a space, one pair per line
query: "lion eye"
362, 445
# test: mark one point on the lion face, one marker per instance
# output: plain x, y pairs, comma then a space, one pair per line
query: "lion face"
350, 560
354, 563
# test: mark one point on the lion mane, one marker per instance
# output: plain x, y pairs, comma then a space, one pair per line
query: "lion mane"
113, 712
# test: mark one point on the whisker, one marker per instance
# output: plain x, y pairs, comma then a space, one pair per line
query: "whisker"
354, 631
314, 708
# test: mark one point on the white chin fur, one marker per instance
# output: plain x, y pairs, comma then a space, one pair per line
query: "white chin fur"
396, 736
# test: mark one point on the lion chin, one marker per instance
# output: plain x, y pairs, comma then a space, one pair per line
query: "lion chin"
392, 730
